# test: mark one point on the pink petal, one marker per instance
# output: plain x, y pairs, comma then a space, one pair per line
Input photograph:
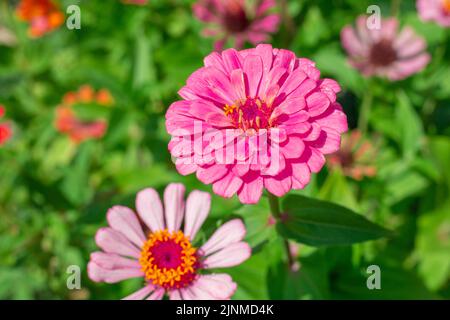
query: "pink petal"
174, 206
293, 148
220, 286
351, 42
316, 160
231, 59
211, 174
141, 294
405, 68
149, 208
414, 47
99, 274
209, 113
238, 84
253, 69
333, 118
228, 185
158, 294
231, 232
175, 295
267, 24
279, 185
317, 103
112, 241
251, 190
289, 106
198, 205
114, 261
301, 175
229, 256
124, 220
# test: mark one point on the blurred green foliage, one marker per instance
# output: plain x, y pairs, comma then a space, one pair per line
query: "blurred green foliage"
54, 194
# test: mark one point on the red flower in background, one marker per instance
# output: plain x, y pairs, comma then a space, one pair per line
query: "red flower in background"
240, 19
5, 128
68, 122
355, 157
43, 16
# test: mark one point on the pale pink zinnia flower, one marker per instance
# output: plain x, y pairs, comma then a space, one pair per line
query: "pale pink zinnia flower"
384, 52
241, 19
267, 110
435, 10
163, 255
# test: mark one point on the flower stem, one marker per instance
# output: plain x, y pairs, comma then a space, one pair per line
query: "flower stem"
364, 113
276, 213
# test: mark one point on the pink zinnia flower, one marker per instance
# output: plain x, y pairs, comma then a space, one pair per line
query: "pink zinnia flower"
268, 111
166, 258
241, 19
435, 10
384, 52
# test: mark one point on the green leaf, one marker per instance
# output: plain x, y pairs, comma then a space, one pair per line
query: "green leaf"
410, 126
319, 223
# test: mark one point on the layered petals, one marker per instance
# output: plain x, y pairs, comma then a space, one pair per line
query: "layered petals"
275, 113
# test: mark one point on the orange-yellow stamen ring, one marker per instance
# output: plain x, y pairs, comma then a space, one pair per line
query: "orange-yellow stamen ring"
169, 260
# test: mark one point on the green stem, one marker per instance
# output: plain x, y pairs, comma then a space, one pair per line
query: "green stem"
276, 213
364, 113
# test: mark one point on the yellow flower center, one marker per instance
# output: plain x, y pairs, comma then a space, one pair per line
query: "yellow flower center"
169, 260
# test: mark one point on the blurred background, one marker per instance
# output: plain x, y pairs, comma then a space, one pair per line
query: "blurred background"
83, 129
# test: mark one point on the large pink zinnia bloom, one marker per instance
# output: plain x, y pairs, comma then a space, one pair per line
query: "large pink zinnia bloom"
384, 52
255, 119
165, 258
435, 10
241, 19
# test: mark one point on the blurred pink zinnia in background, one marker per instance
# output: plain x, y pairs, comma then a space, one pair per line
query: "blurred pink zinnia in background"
241, 19
384, 52
165, 257
435, 10
269, 108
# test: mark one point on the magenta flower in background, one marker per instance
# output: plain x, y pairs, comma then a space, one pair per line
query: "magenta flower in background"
384, 52
165, 256
435, 10
242, 20
255, 119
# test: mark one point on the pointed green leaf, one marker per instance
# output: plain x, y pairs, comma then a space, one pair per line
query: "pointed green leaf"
319, 223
